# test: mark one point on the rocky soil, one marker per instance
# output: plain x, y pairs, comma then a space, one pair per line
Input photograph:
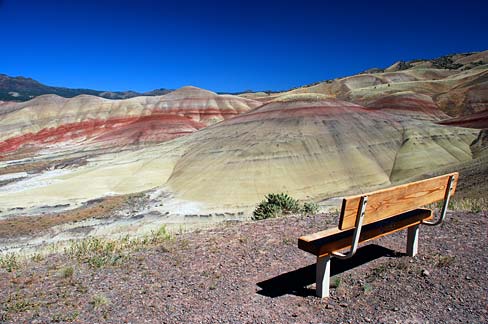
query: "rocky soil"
254, 273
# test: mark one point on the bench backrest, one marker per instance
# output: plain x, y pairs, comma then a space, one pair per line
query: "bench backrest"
389, 202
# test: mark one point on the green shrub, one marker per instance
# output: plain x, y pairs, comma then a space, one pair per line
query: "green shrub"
275, 205
310, 208
266, 210
67, 272
287, 204
9, 262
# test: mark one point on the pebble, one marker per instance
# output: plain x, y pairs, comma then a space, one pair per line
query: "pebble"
425, 273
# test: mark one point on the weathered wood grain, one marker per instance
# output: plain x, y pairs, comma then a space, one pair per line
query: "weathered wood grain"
396, 200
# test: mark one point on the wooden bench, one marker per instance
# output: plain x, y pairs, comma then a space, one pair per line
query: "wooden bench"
375, 214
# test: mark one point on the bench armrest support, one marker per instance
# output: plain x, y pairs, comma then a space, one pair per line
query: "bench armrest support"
450, 185
357, 231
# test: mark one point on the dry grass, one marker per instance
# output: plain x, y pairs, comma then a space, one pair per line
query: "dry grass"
98, 252
10, 261
94, 251
474, 205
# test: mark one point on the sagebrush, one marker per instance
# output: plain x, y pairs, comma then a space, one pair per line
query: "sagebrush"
277, 204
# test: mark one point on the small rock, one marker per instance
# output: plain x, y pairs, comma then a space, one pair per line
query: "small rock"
343, 305
425, 273
367, 319
396, 309
468, 278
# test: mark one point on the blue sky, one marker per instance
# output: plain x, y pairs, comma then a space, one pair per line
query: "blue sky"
226, 45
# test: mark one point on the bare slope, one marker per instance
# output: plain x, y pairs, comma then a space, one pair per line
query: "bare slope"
311, 148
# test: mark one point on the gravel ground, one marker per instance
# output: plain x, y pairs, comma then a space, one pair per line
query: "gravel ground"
254, 273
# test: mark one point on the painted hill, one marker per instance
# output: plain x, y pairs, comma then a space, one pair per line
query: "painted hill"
50, 120
98, 166
456, 84
309, 146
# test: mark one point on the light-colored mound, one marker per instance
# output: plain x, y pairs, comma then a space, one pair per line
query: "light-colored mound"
468, 96
52, 119
300, 97
104, 175
409, 104
460, 91
310, 149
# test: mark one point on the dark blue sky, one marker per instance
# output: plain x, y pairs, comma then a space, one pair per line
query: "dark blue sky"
226, 45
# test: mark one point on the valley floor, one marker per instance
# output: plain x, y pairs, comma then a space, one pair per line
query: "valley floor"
254, 273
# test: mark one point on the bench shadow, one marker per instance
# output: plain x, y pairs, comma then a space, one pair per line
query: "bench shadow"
295, 282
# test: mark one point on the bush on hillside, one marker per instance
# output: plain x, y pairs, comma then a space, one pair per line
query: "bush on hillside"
275, 205
310, 208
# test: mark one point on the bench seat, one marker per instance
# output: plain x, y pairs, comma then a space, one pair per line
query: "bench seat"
334, 239
372, 215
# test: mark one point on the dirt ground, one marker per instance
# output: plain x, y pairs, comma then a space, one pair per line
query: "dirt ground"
254, 273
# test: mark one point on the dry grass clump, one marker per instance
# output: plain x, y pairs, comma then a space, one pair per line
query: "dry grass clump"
94, 251
474, 205
10, 261
98, 252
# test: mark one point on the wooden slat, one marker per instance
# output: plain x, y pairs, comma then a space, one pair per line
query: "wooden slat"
396, 200
328, 241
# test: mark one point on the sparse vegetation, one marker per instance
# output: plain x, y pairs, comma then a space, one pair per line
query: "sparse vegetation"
99, 252
17, 303
275, 205
402, 65
310, 208
62, 317
67, 272
335, 282
445, 62
9, 261
99, 301
367, 288
474, 205
444, 260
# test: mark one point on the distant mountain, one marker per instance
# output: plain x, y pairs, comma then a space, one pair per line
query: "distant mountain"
23, 89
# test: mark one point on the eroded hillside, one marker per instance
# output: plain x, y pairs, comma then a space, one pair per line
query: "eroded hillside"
193, 156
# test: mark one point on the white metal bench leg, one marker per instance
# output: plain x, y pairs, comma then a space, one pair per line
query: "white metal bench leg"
323, 276
413, 240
